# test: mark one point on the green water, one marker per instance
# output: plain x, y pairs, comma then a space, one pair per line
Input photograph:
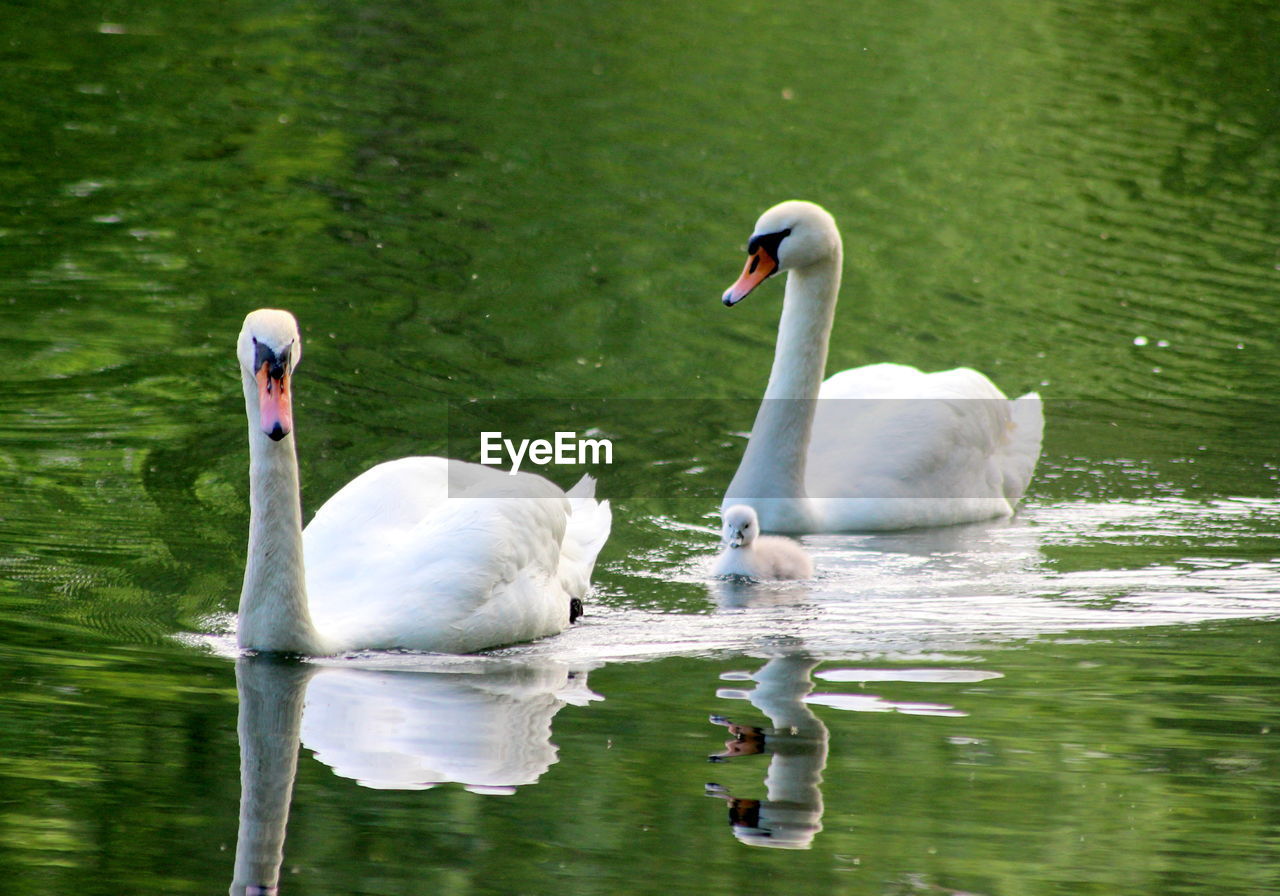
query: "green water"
470, 206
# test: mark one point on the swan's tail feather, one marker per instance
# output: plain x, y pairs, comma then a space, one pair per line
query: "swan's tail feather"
589, 520
588, 529
1023, 448
583, 488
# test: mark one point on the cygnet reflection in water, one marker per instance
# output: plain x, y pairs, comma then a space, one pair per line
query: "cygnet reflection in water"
791, 816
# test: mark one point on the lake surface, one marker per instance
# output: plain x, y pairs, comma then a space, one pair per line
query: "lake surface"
524, 217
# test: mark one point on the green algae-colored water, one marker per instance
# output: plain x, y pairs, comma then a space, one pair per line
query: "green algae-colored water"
488, 213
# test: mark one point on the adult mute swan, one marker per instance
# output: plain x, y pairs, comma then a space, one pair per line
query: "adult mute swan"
748, 553
421, 553
883, 446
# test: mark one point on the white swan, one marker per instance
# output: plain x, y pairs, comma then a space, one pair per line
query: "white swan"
421, 553
928, 450
748, 553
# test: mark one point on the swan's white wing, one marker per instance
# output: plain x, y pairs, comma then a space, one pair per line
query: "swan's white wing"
432, 554
876, 381
893, 447
902, 381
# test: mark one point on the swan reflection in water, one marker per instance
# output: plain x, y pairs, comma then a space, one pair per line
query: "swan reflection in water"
484, 724
790, 816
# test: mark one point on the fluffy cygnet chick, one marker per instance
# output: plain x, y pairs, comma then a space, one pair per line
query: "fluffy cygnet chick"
748, 553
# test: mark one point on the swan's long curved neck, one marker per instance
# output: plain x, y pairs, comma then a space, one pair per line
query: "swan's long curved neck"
774, 463
273, 601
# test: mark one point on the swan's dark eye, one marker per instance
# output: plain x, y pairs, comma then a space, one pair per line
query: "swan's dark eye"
277, 365
769, 242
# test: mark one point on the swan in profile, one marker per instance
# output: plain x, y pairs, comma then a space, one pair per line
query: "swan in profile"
421, 553
748, 553
884, 446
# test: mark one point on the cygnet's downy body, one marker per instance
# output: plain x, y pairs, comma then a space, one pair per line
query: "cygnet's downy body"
748, 553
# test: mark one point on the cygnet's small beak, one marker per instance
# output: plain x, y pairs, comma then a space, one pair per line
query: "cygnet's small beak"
735, 538
275, 403
760, 265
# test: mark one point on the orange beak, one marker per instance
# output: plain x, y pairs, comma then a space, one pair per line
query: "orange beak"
275, 403
760, 264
